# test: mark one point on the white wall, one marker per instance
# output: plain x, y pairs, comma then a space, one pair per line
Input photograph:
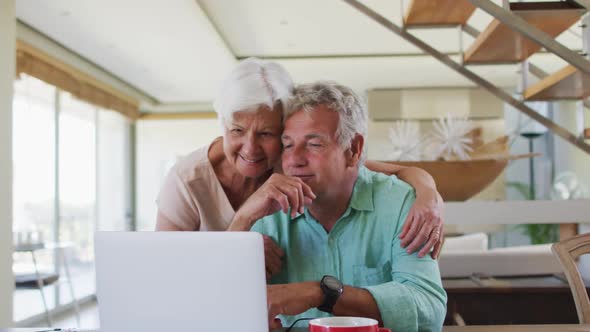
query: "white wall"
570, 158
112, 179
567, 156
159, 144
432, 103
7, 69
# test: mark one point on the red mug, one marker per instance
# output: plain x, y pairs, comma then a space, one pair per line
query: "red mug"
345, 324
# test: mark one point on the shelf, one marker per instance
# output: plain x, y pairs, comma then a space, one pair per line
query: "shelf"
517, 212
567, 83
438, 12
498, 43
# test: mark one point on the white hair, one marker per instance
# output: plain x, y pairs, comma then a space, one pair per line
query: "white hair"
338, 98
251, 84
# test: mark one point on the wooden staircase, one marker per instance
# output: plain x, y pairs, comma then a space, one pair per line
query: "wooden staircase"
500, 44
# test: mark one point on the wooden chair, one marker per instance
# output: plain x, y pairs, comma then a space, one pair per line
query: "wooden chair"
567, 252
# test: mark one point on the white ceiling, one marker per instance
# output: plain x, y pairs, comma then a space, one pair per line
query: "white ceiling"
312, 27
166, 48
177, 51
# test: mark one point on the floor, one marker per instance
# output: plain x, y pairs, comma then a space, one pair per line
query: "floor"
88, 318
28, 302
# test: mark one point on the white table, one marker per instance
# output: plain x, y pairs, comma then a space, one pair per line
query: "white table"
489, 328
519, 328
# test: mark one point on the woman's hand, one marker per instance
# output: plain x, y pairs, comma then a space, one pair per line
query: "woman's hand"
424, 225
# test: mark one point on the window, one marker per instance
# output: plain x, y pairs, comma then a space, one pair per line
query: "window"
77, 189
33, 183
71, 177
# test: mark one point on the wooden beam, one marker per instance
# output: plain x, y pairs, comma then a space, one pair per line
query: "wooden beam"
438, 12
25, 47
178, 116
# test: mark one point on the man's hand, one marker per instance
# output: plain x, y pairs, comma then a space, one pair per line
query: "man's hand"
273, 255
279, 192
292, 299
424, 224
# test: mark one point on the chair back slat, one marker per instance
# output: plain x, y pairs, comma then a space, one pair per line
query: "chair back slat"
567, 252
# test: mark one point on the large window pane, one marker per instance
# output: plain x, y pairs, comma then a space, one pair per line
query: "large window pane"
77, 189
33, 185
91, 184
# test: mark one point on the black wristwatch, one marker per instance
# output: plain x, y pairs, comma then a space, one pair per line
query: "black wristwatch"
332, 289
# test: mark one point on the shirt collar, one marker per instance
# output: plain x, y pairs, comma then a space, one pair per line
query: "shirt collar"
362, 195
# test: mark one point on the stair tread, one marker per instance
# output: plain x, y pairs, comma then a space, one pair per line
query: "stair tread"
438, 12
567, 83
498, 43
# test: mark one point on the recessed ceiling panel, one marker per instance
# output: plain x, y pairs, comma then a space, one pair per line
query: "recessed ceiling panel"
312, 27
363, 74
166, 48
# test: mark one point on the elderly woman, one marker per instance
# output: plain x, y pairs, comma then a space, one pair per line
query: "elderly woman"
203, 191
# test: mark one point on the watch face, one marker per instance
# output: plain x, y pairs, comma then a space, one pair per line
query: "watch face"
332, 283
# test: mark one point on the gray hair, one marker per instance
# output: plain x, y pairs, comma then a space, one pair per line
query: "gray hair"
251, 84
338, 98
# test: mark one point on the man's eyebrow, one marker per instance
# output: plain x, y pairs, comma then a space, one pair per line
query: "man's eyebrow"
310, 136
307, 137
269, 127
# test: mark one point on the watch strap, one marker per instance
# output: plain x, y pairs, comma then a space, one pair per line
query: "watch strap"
330, 296
329, 302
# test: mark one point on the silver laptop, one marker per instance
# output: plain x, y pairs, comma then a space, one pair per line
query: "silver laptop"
181, 281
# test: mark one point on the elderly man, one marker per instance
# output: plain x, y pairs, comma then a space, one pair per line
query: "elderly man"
342, 255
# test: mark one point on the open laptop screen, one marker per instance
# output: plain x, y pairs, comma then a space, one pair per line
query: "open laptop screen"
181, 281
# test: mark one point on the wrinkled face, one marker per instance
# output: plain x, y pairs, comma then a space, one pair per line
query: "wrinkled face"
251, 141
311, 150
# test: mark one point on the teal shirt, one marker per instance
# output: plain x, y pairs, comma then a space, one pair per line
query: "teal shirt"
363, 250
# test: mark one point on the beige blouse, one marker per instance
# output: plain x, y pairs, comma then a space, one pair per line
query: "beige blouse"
192, 197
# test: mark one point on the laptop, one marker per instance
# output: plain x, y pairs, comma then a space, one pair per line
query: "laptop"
181, 281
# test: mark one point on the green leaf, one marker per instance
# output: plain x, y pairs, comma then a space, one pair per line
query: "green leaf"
523, 188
